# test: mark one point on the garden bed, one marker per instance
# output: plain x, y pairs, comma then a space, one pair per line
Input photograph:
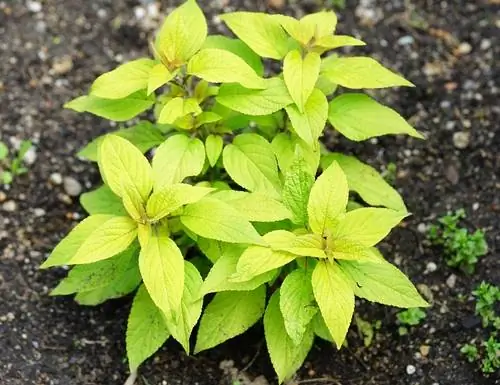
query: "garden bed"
52, 50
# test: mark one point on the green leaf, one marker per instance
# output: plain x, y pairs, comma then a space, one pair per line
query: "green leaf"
302, 32
106, 240
367, 226
146, 329
382, 282
206, 117
4, 151
177, 108
219, 66
190, 307
229, 314
324, 23
300, 76
265, 37
68, 247
124, 169
176, 159
182, 34
348, 249
143, 135
335, 41
237, 47
286, 356
309, 123
296, 190
305, 245
213, 148
251, 163
287, 148
335, 298
297, 304
123, 285
102, 201
118, 110
320, 328
162, 269
212, 248
214, 219
255, 102
257, 260
328, 199
366, 181
96, 275
158, 76
362, 72
225, 266
170, 198
255, 207
124, 80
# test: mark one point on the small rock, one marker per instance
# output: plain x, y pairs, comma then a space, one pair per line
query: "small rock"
464, 49
276, 4
410, 369
485, 44
34, 6
451, 174
422, 228
30, 156
62, 65
139, 13
3, 196
475, 206
426, 292
424, 350
72, 187
39, 212
451, 281
56, 178
461, 139
431, 267
406, 40
9, 206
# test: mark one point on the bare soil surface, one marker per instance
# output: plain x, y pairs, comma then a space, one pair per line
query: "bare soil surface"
51, 51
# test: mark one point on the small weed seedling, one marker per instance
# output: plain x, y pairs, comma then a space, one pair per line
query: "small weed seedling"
233, 189
409, 317
461, 249
12, 166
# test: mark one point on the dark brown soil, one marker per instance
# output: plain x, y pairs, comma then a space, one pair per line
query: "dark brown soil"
45, 340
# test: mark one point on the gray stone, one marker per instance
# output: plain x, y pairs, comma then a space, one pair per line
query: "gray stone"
9, 206
56, 178
410, 369
72, 187
451, 281
461, 139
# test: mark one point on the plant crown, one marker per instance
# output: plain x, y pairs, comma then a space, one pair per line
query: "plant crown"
229, 208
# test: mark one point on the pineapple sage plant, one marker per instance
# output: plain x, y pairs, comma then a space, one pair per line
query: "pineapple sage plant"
239, 207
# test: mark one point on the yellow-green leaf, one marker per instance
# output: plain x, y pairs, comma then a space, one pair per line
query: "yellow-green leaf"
324, 23
213, 148
286, 148
302, 32
177, 108
158, 76
335, 41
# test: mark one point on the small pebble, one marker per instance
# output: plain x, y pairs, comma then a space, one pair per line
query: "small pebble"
451, 281
30, 156
9, 206
424, 350
34, 6
406, 40
3, 196
461, 139
62, 65
431, 267
56, 178
72, 187
485, 44
39, 212
475, 206
464, 49
422, 228
410, 369
276, 4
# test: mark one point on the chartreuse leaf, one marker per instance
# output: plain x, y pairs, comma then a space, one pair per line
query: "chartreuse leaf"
328, 42
213, 148
266, 37
362, 72
168, 199
124, 80
123, 167
379, 281
212, 248
219, 66
366, 181
359, 117
182, 34
328, 199
335, 297
176, 159
225, 266
309, 123
324, 23
255, 102
162, 269
297, 303
257, 260
143, 135
206, 117
125, 284
237, 47
96, 275
347, 249
191, 305
117, 110
214, 219
146, 329
68, 247
296, 190
367, 226
287, 147
158, 76
302, 32
300, 76
229, 314
177, 108
320, 329
255, 207
108, 239
305, 245
286, 355
251, 163
102, 201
